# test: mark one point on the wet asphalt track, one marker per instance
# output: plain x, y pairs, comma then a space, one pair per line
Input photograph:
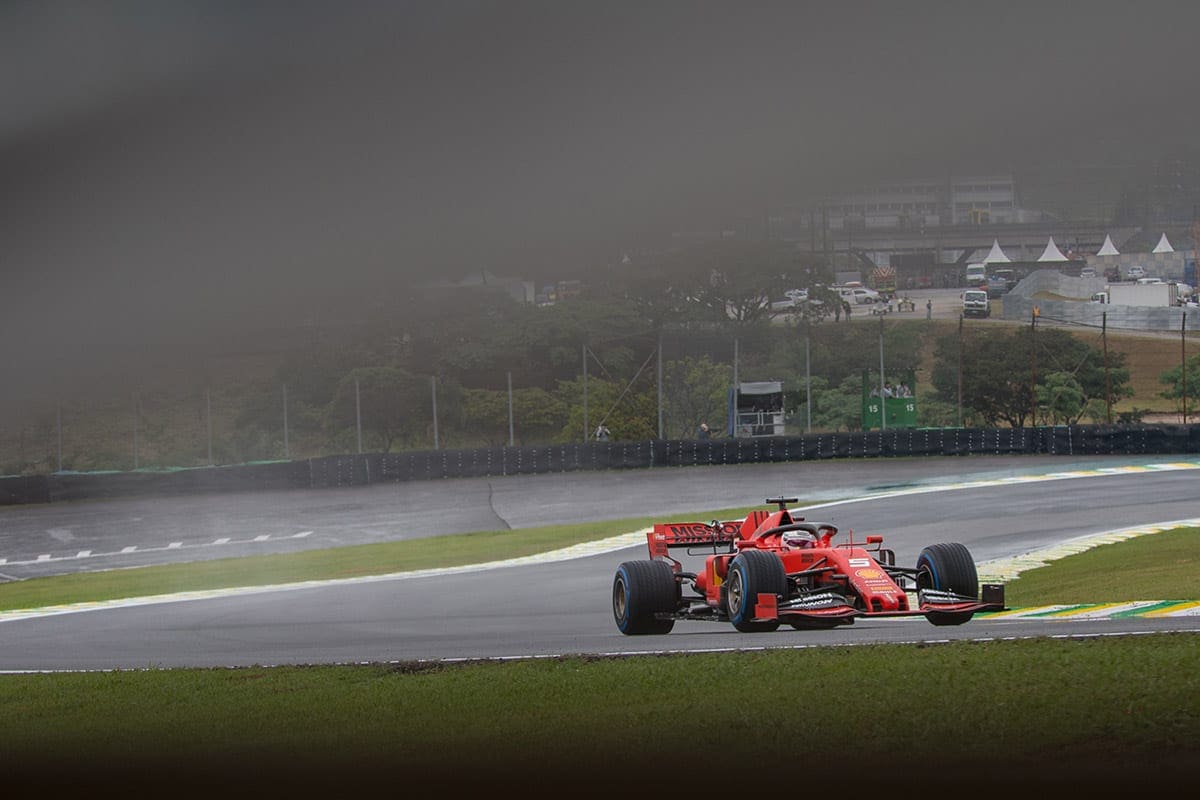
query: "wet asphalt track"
1002, 508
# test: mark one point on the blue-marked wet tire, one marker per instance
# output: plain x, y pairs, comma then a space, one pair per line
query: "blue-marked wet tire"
641, 591
751, 573
949, 567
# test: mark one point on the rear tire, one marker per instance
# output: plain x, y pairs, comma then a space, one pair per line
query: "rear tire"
948, 567
753, 572
641, 590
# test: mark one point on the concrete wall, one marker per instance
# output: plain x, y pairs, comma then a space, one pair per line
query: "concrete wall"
1018, 305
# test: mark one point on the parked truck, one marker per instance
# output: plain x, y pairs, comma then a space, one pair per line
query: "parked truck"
1138, 294
976, 274
883, 280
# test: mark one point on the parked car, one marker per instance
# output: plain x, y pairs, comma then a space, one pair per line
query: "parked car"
1134, 272
1087, 272
793, 300
860, 295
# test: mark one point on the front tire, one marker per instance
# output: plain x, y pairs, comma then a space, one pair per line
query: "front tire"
753, 572
948, 567
641, 591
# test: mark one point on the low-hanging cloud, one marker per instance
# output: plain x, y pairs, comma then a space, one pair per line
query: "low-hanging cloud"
169, 169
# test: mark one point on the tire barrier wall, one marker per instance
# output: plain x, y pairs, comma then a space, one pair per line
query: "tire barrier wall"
374, 468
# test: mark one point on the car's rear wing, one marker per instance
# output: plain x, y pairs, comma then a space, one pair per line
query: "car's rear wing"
667, 535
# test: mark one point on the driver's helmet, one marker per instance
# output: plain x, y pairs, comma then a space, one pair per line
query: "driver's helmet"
799, 539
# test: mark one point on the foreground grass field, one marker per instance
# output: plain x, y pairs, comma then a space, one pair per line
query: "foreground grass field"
1103, 713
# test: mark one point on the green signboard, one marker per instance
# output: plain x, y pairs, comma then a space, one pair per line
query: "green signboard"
896, 399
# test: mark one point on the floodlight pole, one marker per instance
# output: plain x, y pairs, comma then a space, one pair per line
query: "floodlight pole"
961, 344
1033, 368
1107, 379
882, 396
587, 431
660, 386
1183, 361
807, 385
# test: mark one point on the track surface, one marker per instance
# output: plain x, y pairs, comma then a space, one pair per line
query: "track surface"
1000, 507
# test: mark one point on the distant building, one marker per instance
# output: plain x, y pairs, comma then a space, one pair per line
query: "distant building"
965, 200
520, 290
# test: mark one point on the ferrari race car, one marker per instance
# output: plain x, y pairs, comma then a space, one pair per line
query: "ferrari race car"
774, 567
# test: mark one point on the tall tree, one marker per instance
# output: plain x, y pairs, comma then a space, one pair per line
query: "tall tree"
1177, 381
393, 407
998, 368
696, 390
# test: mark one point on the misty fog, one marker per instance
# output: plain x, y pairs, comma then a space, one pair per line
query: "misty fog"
169, 167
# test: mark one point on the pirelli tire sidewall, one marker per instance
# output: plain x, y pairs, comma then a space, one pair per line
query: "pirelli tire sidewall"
641, 591
948, 567
751, 573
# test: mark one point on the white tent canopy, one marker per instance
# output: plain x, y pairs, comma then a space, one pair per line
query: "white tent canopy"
996, 256
1163, 246
1108, 249
1052, 253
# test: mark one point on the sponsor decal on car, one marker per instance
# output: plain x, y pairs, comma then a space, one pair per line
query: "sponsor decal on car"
694, 532
815, 600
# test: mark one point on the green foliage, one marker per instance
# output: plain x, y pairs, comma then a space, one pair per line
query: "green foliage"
630, 410
840, 352
731, 281
1060, 399
1177, 380
836, 408
934, 413
998, 368
395, 407
536, 415
258, 423
695, 391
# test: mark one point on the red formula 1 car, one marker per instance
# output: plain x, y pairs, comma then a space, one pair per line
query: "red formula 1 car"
773, 567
